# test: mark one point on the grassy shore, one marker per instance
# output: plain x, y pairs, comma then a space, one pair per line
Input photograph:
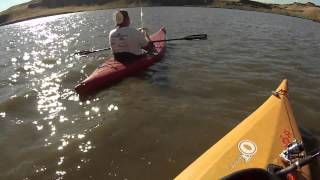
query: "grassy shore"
25, 12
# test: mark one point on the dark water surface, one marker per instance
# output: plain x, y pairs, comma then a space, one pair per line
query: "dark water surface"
153, 125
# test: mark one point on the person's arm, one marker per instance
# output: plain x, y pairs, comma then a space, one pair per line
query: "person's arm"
149, 47
149, 44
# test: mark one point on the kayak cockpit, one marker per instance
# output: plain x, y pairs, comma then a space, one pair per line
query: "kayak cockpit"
251, 174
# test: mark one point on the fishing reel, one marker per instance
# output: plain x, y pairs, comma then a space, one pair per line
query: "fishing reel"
294, 152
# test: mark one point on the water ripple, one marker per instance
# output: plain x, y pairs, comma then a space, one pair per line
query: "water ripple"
199, 91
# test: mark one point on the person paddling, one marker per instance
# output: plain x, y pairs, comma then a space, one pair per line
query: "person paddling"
127, 43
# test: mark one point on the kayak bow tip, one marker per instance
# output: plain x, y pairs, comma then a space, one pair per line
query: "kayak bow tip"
283, 87
163, 29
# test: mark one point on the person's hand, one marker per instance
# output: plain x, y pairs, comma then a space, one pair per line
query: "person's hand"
145, 30
145, 33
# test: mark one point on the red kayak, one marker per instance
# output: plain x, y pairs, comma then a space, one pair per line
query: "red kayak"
113, 71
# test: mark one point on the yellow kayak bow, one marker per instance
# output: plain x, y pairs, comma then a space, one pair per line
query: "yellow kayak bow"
256, 142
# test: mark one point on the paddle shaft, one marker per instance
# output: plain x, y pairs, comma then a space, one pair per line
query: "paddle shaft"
97, 50
177, 39
191, 37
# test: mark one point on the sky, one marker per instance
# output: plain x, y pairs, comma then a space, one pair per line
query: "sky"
5, 4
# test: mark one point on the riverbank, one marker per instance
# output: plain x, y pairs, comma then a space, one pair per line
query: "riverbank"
33, 10
26, 12
306, 11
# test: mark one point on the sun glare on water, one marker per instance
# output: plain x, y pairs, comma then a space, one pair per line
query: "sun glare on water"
45, 64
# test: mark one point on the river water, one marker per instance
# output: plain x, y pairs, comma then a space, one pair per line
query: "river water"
153, 125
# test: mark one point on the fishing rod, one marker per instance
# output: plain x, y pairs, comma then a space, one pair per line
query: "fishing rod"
299, 164
141, 15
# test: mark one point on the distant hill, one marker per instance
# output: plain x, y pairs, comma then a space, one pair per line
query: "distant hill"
65, 3
307, 11
40, 8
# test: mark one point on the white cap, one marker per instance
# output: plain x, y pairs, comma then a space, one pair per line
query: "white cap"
118, 17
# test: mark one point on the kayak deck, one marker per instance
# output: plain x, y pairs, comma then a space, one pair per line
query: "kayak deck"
255, 143
112, 70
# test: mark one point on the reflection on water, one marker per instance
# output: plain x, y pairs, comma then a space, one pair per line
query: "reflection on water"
153, 125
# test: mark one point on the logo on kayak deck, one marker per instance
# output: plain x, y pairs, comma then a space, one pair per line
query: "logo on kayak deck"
247, 149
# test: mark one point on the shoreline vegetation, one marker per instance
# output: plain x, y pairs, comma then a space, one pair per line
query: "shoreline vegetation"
43, 8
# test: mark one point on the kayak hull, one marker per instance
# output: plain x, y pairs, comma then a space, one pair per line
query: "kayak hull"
112, 71
255, 143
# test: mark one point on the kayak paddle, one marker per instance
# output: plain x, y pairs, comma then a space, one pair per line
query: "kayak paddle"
190, 37
85, 52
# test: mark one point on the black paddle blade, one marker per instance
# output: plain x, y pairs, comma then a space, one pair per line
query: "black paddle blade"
196, 37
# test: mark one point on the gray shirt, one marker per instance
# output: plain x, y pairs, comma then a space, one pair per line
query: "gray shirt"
127, 39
